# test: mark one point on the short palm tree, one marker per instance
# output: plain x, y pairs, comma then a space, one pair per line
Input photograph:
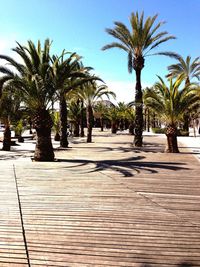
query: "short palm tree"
138, 43
32, 79
90, 93
189, 70
100, 110
113, 116
56, 125
7, 111
122, 111
130, 115
75, 115
169, 103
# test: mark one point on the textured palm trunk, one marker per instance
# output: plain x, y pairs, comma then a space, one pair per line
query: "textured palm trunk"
101, 123
89, 123
82, 119
148, 120
76, 129
186, 123
63, 122
172, 144
131, 128
30, 126
57, 136
43, 124
113, 127
6, 139
138, 110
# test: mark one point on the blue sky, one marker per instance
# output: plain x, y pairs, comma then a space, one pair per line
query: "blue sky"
79, 26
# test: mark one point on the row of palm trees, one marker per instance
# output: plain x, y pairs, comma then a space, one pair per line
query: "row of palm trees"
40, 79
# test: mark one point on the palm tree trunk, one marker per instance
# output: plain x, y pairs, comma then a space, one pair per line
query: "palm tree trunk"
30, 126
76, 129
6, 139
57, 136
148, 120
113, 127
89, 123
186, 123
145, 119
63, 122
82, 119
101, 123
138, 110
131, 128
172, 144
43, 124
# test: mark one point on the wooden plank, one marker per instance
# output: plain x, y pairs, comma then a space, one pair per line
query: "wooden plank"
12, 249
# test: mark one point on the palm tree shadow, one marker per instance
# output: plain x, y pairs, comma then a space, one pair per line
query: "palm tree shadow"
182, 264
127, 167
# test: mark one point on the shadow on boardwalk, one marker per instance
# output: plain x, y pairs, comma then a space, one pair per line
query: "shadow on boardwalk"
126, 167
182, 264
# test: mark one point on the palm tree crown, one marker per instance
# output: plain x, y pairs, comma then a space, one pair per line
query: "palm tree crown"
138, 42
170, 103
188, 69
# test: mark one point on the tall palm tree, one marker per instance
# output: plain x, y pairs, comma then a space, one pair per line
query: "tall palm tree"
32, 79
63, 69
68, 73
90, 93
169, 104
189, 70
138, 43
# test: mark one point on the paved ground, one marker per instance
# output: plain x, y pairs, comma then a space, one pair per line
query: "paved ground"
101, 204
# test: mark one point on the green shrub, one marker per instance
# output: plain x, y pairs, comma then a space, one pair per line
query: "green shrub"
182, 132
158, 130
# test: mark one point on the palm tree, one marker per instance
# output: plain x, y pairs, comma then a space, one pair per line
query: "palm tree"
185, 68
32, 80
113, 116
75, 115
122, 111
100, 109
130, 115
6, 113
56, 125
188, 70
68, 73
138, 43
90, 93
169, 104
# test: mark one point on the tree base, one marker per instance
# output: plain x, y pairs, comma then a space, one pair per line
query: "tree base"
172, 144
138, 141
57, 137
167, 150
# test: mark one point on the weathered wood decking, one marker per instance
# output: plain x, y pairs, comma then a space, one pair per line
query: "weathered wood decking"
103, 204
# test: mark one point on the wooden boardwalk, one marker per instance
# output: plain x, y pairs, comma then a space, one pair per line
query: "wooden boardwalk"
103, 204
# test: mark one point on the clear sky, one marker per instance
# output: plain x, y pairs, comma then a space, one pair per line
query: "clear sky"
79, 26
